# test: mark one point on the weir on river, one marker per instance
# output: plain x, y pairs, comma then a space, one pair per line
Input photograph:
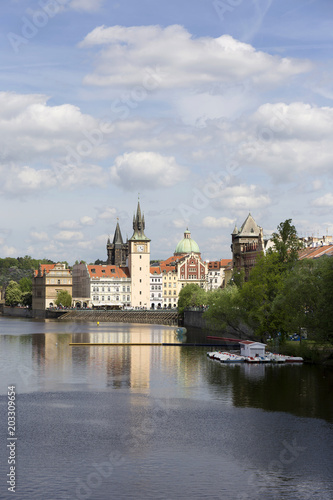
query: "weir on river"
162, 317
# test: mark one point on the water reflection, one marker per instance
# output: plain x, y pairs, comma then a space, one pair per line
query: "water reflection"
46, 362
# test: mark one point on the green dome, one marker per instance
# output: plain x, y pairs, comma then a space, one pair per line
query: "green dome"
187, 245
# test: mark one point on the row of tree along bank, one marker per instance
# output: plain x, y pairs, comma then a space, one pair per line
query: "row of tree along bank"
282, 296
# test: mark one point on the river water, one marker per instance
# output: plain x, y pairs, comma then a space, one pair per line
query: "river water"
157, 422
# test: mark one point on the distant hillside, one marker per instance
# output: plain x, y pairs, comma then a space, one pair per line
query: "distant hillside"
21, 267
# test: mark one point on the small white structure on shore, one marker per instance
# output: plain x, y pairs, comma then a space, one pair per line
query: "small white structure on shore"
251, 348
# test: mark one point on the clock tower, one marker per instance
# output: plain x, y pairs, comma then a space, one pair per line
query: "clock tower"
139, 262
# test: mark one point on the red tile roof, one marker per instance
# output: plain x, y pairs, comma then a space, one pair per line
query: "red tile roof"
155, 270
108, 271
315, 252
217, 264
46, 268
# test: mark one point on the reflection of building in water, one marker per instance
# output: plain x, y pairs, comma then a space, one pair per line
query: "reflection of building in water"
52, 357
140, 367
254, 371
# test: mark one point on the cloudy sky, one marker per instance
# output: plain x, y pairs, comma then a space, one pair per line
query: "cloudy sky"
210, 109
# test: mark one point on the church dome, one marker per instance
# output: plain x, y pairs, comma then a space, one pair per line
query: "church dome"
187, 245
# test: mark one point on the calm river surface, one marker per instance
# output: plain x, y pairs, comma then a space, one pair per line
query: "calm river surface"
157, 422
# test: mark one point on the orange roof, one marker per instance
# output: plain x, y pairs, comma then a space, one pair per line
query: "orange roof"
100, 271
315, 252
217, 264
155, 270
170, 263
225, 262
46, 268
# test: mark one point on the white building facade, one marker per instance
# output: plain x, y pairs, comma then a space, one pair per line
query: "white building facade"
101, 286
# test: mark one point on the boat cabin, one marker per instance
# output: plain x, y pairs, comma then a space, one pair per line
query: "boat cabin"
251, 348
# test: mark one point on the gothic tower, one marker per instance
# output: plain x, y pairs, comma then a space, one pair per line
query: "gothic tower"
117, 251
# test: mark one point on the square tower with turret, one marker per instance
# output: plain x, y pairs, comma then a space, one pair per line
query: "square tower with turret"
139, 262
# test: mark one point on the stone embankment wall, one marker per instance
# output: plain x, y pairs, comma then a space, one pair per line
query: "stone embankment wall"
19, 312
195, 319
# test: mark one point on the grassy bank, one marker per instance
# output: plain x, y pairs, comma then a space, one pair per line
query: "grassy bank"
310, 351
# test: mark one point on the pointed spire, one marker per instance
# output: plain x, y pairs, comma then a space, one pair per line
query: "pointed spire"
117, 239
139, 225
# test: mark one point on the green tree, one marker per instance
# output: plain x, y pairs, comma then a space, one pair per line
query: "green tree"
286, 242
64, 298
191, 295
13, 295
258, 293
225, 308
296, 303
25, 284
323, 312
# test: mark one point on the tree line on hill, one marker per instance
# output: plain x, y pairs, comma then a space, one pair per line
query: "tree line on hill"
283, 295
16, 278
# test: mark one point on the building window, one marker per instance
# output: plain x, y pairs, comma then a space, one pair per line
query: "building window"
58, 282
117, 297
102, 297
128, 298
108, 297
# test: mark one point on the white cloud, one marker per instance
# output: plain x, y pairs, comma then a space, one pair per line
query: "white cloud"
40, 128
285, 140
177, 60
42, 236
107, 213
69, 236
213, 222
146, 170
87, 221
242, 198
7, 251
68, 224
323, 201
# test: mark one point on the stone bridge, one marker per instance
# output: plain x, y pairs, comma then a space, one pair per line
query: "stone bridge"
162, 317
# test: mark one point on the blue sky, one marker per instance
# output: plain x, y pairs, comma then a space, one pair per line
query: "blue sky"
210, 109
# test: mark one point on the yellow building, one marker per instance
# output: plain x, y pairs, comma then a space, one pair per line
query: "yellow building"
47, 282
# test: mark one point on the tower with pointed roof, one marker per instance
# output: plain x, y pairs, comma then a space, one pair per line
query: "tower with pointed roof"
117, 251
139, 261
247, 244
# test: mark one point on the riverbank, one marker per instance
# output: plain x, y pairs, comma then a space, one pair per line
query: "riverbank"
310, 351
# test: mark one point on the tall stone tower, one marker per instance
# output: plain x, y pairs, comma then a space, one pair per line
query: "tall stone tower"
139, 262
247, 244
117, 251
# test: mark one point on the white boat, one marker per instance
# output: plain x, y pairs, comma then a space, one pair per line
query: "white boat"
229, 357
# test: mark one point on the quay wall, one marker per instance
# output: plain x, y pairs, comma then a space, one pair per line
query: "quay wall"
193, 318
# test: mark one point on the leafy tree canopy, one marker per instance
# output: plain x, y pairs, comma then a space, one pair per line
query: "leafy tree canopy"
63, 299
286, 242
13, 295
191, 295
225, 308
